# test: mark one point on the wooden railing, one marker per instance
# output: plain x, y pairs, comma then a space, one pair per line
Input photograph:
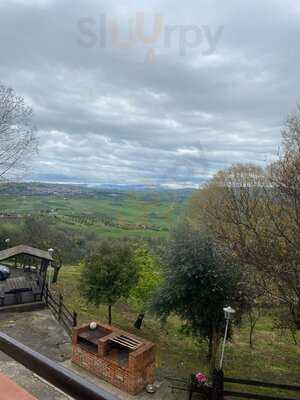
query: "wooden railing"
62, 378
219, 392
216, 390
56, 304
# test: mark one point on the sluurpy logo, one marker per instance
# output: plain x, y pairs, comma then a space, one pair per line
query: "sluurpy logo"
103, 31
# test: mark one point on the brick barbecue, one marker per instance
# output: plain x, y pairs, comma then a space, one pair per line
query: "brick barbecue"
123, 359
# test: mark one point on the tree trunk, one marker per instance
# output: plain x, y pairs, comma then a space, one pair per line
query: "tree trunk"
209, 354
253, 318
139, 321
293, 333
251, 335
109, 315
56, 272
215, 340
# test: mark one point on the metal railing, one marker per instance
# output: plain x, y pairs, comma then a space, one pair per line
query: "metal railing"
70, 383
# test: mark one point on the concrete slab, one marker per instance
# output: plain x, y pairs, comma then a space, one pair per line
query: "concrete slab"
40, 331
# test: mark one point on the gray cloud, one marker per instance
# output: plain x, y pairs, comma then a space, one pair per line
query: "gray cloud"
113, 115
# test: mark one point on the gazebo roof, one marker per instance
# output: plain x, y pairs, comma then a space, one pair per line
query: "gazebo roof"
22, 249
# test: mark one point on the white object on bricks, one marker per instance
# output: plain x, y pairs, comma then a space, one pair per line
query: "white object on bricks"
93, 326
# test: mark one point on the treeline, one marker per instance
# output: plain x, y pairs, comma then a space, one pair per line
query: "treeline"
70, 246
253, 214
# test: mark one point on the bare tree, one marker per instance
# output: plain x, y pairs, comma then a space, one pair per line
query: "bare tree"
17, 133
254, 214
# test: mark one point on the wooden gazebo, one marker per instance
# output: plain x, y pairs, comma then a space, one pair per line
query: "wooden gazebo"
25, 285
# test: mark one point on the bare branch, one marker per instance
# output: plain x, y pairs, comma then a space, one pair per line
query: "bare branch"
17, 133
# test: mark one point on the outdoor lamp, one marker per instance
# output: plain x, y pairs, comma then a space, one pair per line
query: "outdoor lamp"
228, 312
50, 251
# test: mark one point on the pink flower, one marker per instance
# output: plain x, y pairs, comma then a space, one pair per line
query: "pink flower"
201, 378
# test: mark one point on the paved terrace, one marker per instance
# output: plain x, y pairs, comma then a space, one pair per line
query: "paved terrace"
39, 330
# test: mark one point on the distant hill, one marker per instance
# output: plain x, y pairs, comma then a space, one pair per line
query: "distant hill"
85, 191
128, 211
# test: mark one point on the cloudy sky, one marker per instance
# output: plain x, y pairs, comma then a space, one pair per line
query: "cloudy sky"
151, 92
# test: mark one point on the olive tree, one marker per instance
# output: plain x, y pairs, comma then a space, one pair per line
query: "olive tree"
198, 284
109, 274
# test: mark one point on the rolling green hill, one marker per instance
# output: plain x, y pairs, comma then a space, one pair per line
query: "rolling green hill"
112, 213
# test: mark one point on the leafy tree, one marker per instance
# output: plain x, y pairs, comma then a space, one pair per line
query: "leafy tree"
40, 232
150, 277
198, 284
109, 273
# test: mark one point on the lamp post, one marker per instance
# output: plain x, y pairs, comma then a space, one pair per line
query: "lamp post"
7, 242
50, 251
229, 312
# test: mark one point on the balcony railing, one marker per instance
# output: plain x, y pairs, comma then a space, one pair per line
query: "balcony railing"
67, 381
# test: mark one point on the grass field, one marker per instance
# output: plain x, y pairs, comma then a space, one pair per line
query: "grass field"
274, 358
127, 214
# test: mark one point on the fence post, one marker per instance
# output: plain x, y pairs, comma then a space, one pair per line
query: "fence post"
46, 295
60, 304
217, 385
74, 319
192, 382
